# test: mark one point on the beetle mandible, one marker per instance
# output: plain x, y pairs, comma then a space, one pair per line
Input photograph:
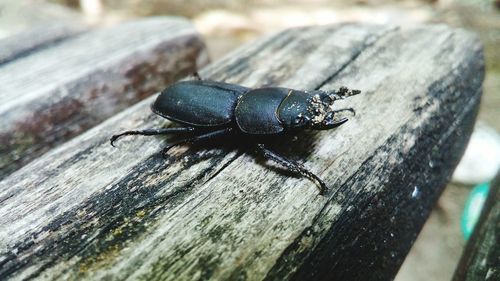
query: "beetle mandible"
208, 109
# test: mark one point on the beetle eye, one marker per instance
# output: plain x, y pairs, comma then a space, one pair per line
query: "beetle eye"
299, 119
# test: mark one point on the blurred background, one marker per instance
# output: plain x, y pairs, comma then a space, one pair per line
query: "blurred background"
227, 24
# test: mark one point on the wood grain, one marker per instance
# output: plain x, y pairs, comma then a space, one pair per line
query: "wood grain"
92, 211
29, 41
57, 92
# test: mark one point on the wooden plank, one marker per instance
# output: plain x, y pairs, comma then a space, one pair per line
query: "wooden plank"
92, 211
481, 258
26, 42
54, 94
18, 16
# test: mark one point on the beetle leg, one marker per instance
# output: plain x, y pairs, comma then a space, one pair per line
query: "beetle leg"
152, 132
195, 139
292, 166
197, 76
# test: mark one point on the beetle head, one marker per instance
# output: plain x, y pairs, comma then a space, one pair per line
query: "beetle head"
313, 110
320, 113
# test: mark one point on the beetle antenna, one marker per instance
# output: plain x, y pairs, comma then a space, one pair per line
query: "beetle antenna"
152, 132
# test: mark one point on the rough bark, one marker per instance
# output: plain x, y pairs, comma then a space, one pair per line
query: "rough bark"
92, 211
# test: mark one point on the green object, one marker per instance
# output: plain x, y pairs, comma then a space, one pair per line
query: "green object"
473, 207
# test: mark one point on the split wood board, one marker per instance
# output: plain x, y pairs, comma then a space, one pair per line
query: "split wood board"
53, 94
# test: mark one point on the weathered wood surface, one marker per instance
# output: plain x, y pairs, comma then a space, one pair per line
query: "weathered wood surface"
92, 211
481, 258
56, 93
26, 42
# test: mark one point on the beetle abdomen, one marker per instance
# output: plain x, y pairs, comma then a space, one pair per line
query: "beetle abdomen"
199, 103
256, 111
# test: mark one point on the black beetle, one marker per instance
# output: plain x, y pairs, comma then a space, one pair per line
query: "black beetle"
209, 109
